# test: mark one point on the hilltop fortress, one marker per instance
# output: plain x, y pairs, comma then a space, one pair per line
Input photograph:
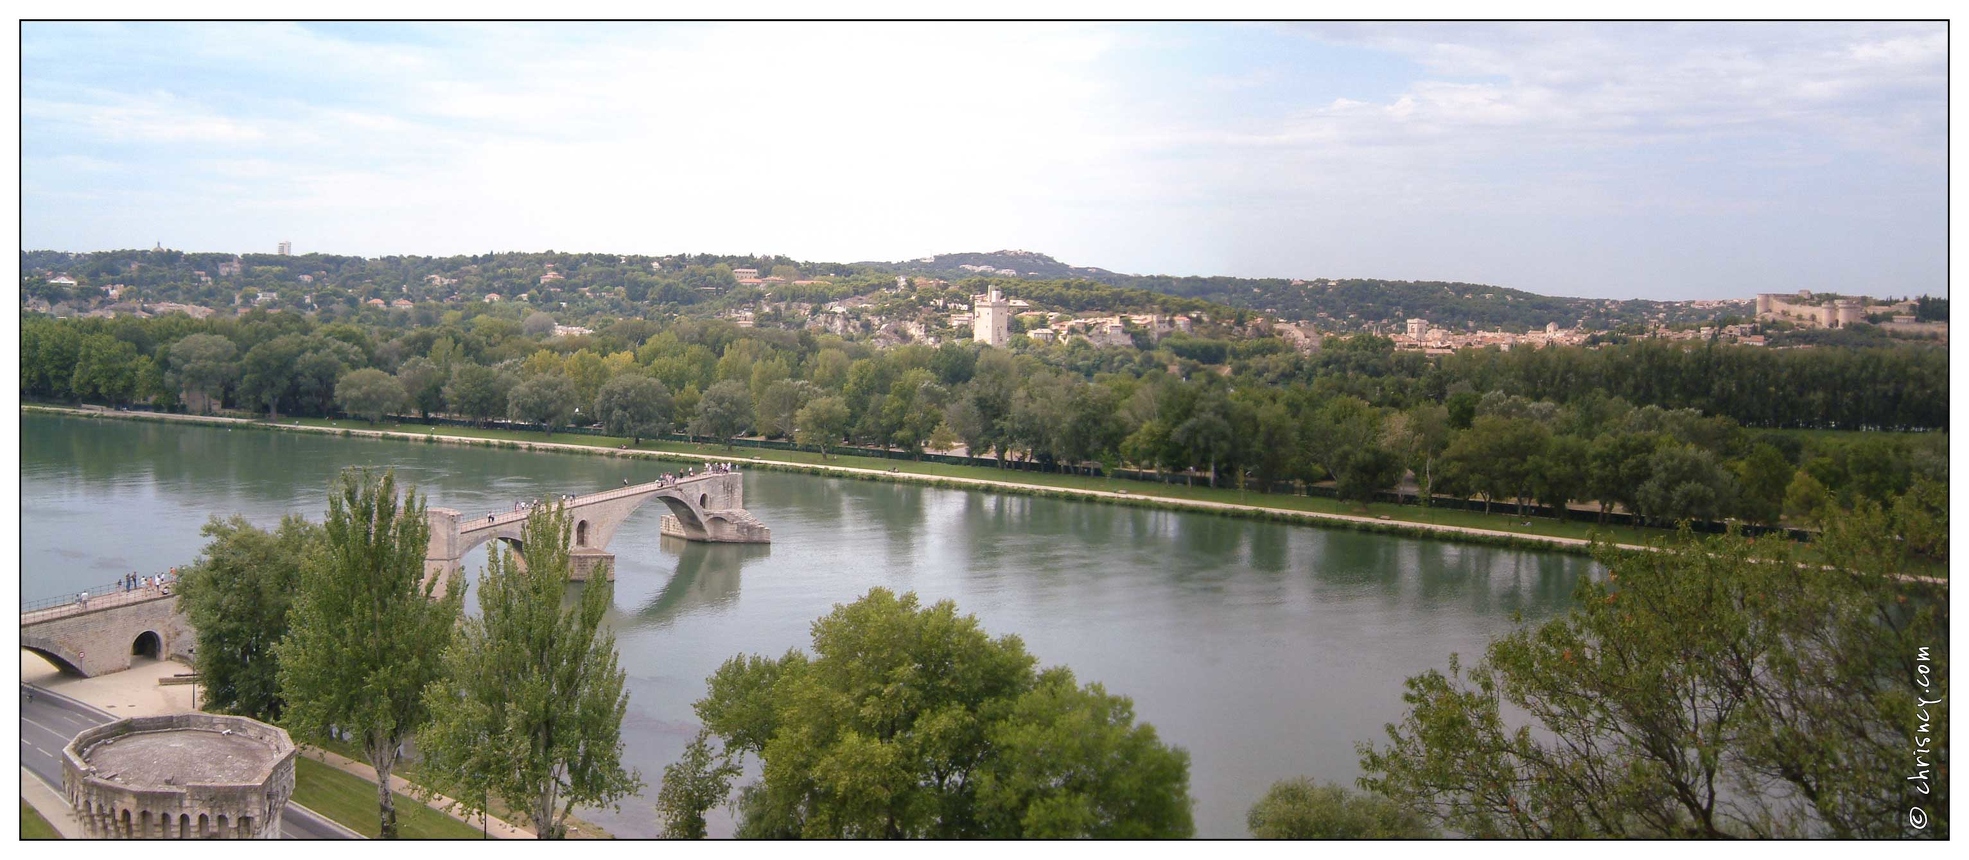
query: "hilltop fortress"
1804, 309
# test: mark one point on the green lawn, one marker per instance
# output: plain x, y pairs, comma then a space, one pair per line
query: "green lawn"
1503, 522
33, 826
350, 800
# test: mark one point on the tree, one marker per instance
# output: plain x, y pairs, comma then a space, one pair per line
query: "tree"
822, 423
105, 370
1417, 438
779, 406
537, 324
547, 399
1559, 473
1302, 809
1708, 688
369, 394
1763, 477
204, 365
724, 411
1685, 482
530, 706
475, 391
1617, 465
423, 383
367, 631
635, 406
911, 722
237, 595
1805, 499
692, 785
1340, 431
1494, 456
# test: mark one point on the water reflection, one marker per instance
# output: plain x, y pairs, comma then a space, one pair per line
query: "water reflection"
706, 578
1266, 650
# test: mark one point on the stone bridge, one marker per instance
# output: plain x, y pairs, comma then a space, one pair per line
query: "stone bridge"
708, 507
104, 633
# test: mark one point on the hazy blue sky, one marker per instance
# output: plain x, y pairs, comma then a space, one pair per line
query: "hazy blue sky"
1654, 160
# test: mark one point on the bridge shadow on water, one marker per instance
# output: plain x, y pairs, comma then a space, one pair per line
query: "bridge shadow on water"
706, 577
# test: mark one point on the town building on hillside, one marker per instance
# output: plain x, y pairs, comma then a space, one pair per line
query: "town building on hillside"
991, 319
743, 274
286, 249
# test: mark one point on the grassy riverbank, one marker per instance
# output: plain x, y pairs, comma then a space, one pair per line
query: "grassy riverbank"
350, 801
1468, 526
1144, 492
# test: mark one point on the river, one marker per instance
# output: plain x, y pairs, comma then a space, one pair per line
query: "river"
1266, 650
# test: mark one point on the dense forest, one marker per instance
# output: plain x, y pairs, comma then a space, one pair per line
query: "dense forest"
1347, 304
585, 286
1666, 430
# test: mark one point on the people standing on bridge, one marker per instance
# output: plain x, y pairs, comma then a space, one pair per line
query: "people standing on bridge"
84, 601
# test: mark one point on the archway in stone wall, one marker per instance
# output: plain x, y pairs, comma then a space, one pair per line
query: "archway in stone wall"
580, 539
64, 662
148, 644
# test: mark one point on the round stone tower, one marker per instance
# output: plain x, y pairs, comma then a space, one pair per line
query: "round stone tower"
183, 776
1848, 311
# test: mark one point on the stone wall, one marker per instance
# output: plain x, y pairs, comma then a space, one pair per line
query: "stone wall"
110, 809
101, 640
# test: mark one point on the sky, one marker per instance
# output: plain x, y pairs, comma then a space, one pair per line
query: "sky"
1623, 160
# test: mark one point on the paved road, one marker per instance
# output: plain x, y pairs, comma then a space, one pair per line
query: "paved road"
49, 722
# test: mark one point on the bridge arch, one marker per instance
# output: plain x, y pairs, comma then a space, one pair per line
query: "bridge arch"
147, 644
66, 663
580, 536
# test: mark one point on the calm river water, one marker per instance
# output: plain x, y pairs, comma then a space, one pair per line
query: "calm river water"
1266, 650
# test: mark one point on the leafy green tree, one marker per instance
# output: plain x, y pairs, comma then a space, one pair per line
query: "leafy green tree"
779, 406
1685, 482
369, 394
237, 595
529, 708
635, 406
912, 722
724, 411
1494, 457
151, 385
692, 785
476, 391
423, 383
1302, 809
1560, 473
368, 630
1617, 465
547, 400
1339, 430
1709, 688
1417, 438
1763, 477
1365, 472
822, 423
1805, 499
537, 324
205, 365
105, 370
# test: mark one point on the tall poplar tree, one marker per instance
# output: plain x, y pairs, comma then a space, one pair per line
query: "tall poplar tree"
367, 632
530, 708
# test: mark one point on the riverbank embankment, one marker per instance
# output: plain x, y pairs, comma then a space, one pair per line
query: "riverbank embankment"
1054, 486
